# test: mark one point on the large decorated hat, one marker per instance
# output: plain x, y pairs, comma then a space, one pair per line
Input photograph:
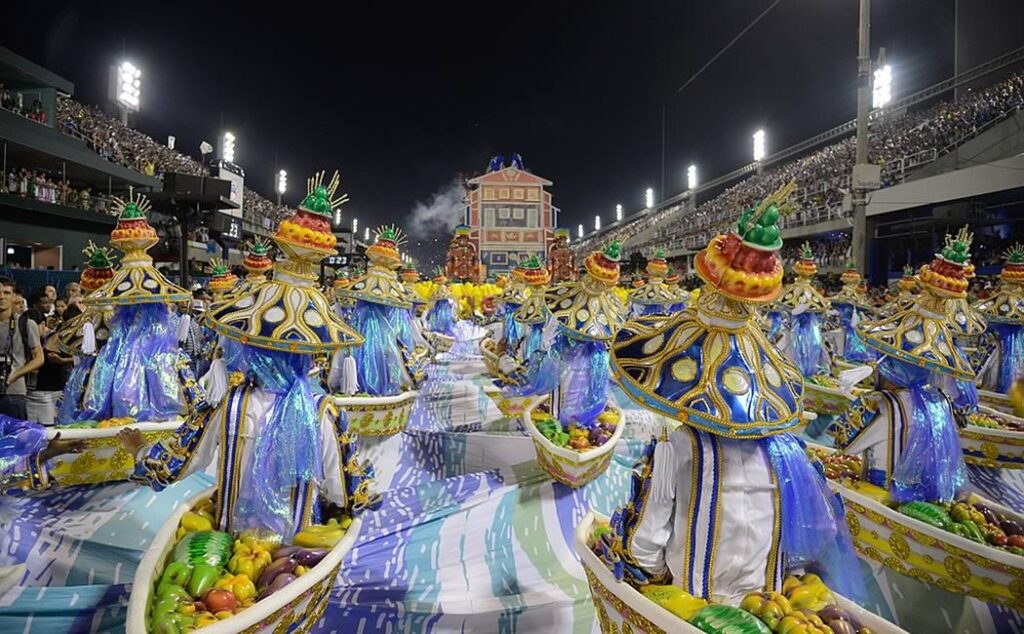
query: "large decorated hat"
534, 310
381, 285
514, 291
921, 335
672, 277
409, 274
306, 235
289, 313
462, 230
222, 279
851, 293
137, 281
99, 267
744, 264
561, 233
966, 321
851, 276
441, 290
588, 308
1007, 305
655, 292
802, 292
710, 367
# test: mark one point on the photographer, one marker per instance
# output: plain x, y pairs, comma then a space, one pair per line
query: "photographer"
46, 385
20, 354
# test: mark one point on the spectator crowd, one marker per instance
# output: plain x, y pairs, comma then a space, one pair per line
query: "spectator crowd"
897, 142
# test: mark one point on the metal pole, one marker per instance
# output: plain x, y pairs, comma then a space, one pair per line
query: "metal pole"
183, 246
5, 167
661, 192
863, 103
956, 49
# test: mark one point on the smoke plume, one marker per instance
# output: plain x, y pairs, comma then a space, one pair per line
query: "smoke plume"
438, 215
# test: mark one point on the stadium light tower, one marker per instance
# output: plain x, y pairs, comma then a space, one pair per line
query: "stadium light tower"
128, 89
366, 234
282, 185
881, 87
597, 222
691, 177
618, 213
579, 231
355, 225
337, 216
649, 198
760, 148
227, 150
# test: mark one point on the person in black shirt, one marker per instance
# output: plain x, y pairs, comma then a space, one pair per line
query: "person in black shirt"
47, 384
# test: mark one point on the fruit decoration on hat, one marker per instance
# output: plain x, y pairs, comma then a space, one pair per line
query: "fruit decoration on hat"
384, 250
946, 275
850, 277
307, 232
533, 272
409, 274
257, 257
805, 266
222, 279
380, 285
655, 295
604, 265
908, 282
743, 263
851, 293
657, 266
99, 267
132, 224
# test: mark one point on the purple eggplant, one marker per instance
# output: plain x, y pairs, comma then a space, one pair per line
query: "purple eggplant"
836, 613
286, 551
1010, 527
310, 557
279, 582
990, 516
282, 565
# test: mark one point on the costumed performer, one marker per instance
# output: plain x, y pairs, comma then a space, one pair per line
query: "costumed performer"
1005, 314
654, 297
802, 342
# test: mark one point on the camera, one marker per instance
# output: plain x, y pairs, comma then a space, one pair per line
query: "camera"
5, 371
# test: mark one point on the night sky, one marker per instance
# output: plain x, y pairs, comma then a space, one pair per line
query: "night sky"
401, 99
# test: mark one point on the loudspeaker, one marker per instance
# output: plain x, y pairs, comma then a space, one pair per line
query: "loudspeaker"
188, 186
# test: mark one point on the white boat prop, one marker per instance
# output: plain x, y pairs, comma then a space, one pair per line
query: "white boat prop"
295, 608
621, 608
566, 465
995, 448
995, 400
509, 405
930, 554
103, 458
377, 415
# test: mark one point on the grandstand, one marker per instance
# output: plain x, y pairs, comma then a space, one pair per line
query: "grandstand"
911, 139
63, 160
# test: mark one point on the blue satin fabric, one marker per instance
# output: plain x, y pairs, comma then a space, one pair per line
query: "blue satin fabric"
808, 349
1011, 360
288, 449
584, 381
135, 373
776, 321
378, 361
512, 331
441, 317
232, 353
854, 348
19, 440
70, 401
963, 394
814, 529
931, 467
543, 370
532, 341
644, 310
404, 328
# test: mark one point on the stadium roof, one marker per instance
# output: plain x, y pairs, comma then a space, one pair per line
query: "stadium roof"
15, 68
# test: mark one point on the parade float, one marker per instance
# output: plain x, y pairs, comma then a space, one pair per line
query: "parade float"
1005, 314
577, 432
902, 473
462, 264
129, 369
680, 556
260, 551
389, 366
653, 297
561, 259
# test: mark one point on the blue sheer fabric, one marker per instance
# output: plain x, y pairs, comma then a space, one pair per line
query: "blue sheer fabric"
378, 361
441, 317
19, 439
1011, 360
808, 348
584, 381
854, 348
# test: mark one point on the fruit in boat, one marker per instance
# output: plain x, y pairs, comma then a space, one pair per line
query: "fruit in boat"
249, 560
928, 513
239, 585
770, 607
202, 579
194, 522
808, 591
220, 600
320, 535
724, 619
281, 566
674, 599
209, 547
802, 622
177, 573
